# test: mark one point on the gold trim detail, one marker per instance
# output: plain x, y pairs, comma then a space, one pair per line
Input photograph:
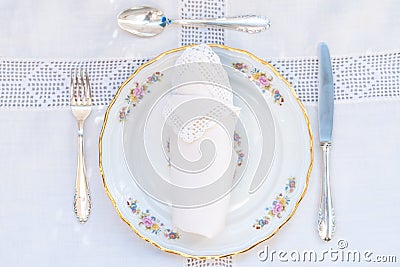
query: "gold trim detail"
151, 62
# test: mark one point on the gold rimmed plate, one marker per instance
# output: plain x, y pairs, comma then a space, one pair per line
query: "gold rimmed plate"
283, 150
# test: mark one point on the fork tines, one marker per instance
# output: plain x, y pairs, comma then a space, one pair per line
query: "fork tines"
81, 92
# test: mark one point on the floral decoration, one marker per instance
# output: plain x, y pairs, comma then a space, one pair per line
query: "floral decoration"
137, 93
278, 206
150, 222
238, 149
261, 79
240, 66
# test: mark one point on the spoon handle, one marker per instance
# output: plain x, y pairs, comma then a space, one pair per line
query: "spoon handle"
248, 23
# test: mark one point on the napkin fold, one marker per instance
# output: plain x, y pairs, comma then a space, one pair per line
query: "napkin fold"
202, 120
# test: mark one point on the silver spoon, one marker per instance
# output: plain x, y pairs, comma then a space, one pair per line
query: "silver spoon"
147, 21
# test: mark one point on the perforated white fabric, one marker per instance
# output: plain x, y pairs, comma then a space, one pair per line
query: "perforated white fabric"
356, 77
45, 83
197, 9
212, 71
207, 68
222, 262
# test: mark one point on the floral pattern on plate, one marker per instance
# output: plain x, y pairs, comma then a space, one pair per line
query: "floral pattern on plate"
150, 222
278, 206
238, 148
137, 93
261, 79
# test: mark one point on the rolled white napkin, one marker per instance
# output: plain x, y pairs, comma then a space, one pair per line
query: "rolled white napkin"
200, 110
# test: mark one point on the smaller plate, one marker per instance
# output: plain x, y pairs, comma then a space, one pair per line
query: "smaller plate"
142, 135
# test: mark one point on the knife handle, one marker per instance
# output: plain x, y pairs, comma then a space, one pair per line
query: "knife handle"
326, 215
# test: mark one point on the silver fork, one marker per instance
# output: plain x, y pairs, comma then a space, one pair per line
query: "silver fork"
81, 106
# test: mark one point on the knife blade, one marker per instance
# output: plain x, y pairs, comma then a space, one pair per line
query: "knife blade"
325, 96
326, 215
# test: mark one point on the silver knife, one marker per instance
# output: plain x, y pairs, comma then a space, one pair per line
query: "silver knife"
326, 215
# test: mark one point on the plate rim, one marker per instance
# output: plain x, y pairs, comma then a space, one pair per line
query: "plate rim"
116, 96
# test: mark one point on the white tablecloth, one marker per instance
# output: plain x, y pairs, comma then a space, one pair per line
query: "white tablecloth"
38, 143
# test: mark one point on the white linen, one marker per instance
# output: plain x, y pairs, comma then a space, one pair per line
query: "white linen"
38, 149
38, 155
214, 122
73, 29
37, 170
209, 219
76, 29
348, 27
364, 181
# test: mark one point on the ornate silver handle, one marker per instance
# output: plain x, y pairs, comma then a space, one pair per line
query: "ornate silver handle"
326, 216
248, 23
82, 202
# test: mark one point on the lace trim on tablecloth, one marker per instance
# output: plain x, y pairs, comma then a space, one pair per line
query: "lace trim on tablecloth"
221, 262
356, 77
196, 9
45, 83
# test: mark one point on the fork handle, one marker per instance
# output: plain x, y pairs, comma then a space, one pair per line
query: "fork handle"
82, 202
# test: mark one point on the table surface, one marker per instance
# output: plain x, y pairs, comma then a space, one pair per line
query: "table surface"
74, 29
37, 155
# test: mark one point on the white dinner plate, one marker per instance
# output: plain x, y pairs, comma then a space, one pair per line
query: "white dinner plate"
273, 142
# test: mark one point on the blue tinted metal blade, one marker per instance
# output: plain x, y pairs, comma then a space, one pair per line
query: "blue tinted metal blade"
325, 94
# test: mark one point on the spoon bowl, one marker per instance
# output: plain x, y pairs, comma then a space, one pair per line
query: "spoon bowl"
142, 21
